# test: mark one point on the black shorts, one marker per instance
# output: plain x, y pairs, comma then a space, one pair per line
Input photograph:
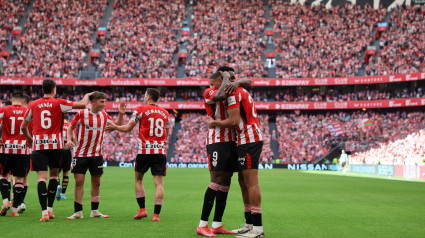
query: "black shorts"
43, 159
66, 160
93, 164
14, 164
157, 163
343, 164
28, 164
222, 157
249, 155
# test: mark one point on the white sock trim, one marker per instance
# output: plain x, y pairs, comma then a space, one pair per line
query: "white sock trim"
216, 224
203, 223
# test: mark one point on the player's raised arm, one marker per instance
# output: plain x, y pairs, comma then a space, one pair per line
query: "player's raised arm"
121, 111
220, 95
83, 103
233, 85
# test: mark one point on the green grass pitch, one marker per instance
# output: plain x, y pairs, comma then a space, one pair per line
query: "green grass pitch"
294, 204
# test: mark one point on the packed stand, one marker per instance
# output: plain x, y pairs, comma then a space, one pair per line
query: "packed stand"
123, 147
306, 138
402, 47
141, 39
318, 42
405, 146
190, 146
227, 33
58, 37
10, 13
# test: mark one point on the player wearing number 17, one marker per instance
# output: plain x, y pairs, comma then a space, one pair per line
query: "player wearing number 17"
154, 126
47, 116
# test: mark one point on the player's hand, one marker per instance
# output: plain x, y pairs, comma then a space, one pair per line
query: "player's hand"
1, 143
70, 145
122, 107
225, 75
29, 143
231, 87
88, 95
110, 127
210, 122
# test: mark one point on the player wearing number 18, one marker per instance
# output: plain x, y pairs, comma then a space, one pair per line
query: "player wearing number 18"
153, 131
47, 116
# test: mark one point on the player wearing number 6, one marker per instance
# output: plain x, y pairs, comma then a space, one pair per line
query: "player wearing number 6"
153, 131
47, 116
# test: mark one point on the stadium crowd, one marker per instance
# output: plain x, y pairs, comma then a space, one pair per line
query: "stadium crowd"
141, 39
221, 37
402, 48
10, 12
58, 37
321, 42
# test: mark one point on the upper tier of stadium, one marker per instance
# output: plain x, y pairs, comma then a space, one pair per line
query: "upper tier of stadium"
92, 39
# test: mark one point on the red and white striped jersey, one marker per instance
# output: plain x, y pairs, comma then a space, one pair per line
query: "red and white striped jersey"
14, 140
152, 128
248, 129
90, 134
47, 116
218, 111
65, 129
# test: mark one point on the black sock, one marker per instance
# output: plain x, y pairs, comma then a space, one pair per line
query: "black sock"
9, 187
94, 205
64, 183
220, 205
78, 207
24, 194
42, 194
4, 185
157, 209
141, 202
53, 185
248, 219
208, 203
18, 190
256, 219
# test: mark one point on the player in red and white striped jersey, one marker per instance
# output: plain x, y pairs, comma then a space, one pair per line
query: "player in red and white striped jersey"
153, 132
243, 116
222, 156
13, 153
66, 158
47, 116
92, 124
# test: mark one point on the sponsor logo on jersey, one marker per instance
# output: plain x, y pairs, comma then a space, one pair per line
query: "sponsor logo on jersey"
46, 141
13, 146
154, 146
90, 128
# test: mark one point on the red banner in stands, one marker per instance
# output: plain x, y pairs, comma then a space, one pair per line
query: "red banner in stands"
205, 82
411, 102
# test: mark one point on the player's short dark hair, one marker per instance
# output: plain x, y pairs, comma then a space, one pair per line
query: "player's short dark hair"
98, 95
26, 99
66, 117
48, 86
7, 103
153, 93
216, 75
17, 96
225, 68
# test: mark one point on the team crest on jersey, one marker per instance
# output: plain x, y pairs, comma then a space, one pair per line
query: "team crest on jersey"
211, 92
214, 162
46, 141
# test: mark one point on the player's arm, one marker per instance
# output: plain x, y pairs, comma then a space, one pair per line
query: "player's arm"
124, 128
69, 137
231, 87
83, 103
25, 131
230, 122
74, 136
221, 95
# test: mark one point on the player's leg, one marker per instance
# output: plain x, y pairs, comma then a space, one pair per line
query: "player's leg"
54, 165
65, 180
159, 196
249, 172
18, 165
247, 208
96, 171
224, 180
79, 169
22, 207
40, 164
4, 185
143, 163
158, 170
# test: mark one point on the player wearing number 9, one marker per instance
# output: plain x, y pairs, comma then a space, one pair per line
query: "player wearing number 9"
153, 131
47, 116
